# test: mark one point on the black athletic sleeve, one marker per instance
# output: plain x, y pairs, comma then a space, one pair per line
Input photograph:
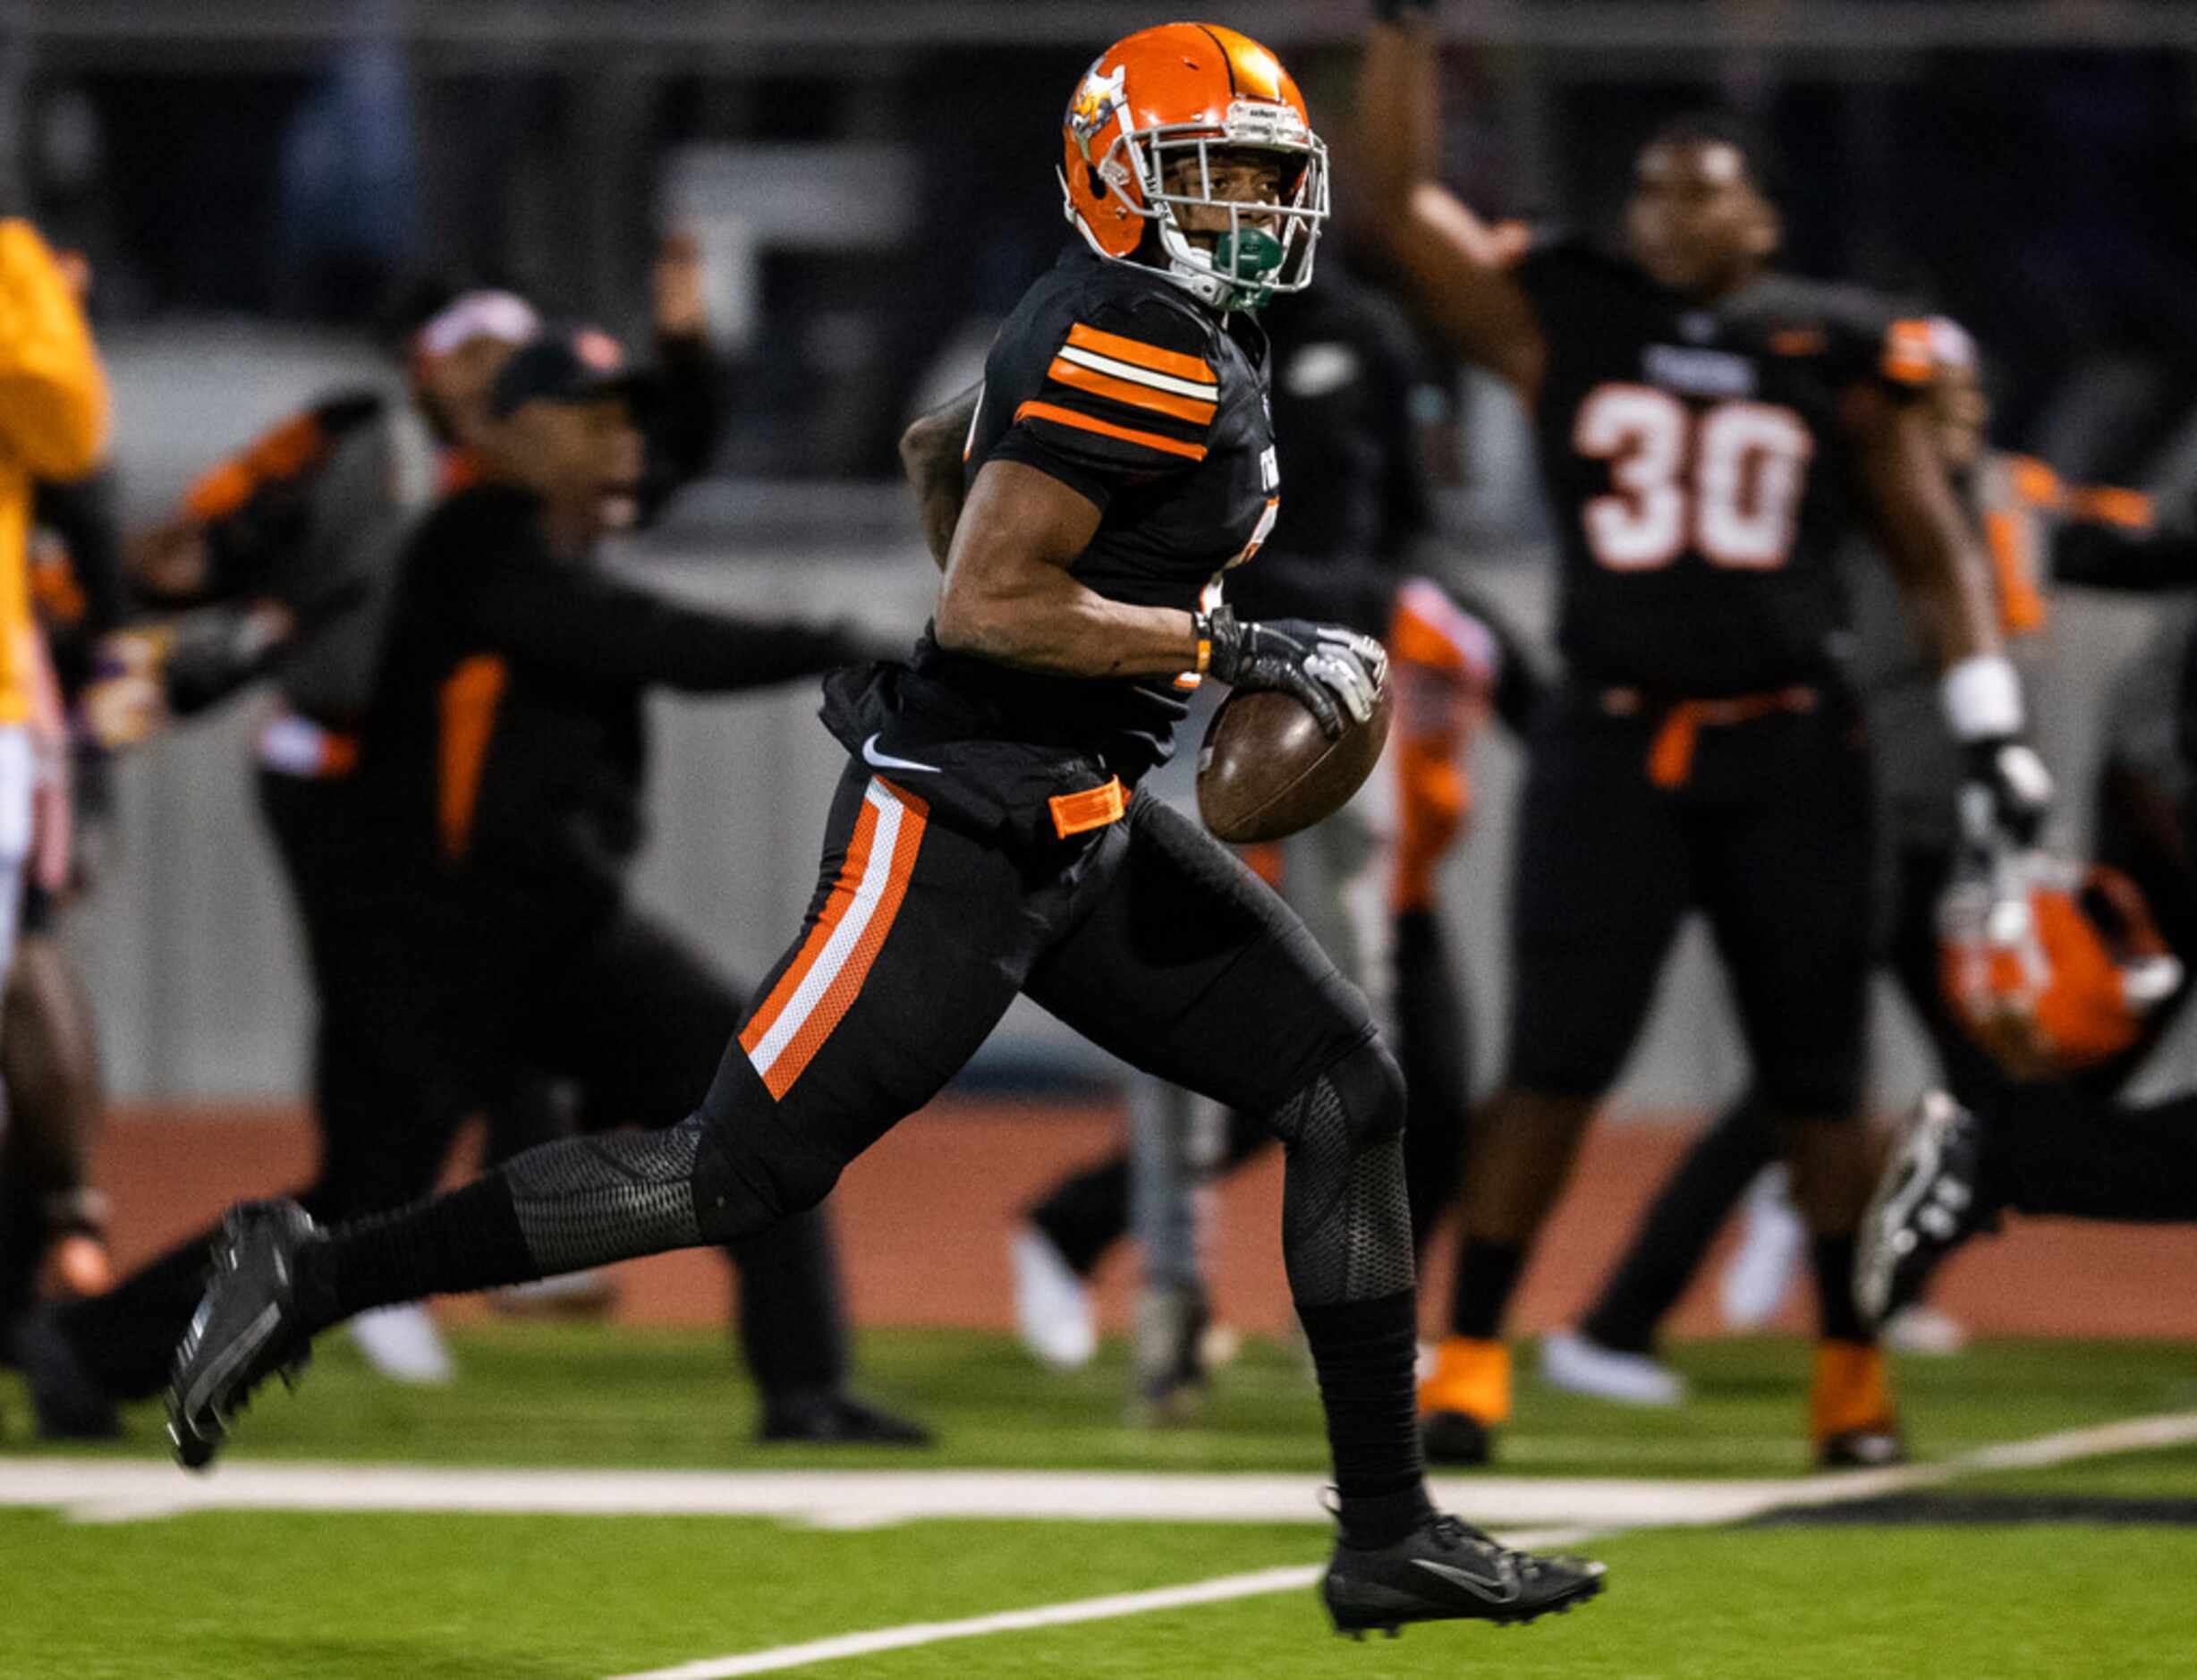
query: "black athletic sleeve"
87, 516
2094, 556
1099, 392
580, 619
258, 507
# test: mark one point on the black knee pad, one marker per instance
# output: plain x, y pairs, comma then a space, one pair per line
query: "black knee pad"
747, 1177
1364, 1085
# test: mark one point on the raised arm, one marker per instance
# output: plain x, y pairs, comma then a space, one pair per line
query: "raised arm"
1456, 268
931, 453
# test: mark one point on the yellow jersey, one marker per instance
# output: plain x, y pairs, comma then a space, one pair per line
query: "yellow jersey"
53, 426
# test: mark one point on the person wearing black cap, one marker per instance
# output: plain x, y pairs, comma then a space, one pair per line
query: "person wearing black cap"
497, 799
500, 782
279, 565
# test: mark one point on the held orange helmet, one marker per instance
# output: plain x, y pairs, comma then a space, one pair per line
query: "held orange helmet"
2050, 965
1189, 93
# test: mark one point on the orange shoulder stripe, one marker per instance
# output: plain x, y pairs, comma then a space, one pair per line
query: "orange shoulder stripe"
1150, 440
1142, 355
1908, 357
1090, 379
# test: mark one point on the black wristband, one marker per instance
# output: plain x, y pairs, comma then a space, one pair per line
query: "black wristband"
1399, 11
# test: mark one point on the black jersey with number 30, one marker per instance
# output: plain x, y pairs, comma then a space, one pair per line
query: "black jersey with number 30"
1114, 380
1697, 468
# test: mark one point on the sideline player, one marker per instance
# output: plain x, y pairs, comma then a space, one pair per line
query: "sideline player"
1917, 768
988, 839
313, 518
2065, 1147
53, 1216
1699, 420
54, 415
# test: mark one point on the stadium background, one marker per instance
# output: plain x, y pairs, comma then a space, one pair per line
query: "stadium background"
870, 180
871, 185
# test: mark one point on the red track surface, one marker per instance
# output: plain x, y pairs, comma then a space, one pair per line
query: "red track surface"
922, 1219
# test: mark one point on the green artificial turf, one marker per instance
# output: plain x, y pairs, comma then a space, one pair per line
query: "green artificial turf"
237, 1595
582, 1394
234, 1594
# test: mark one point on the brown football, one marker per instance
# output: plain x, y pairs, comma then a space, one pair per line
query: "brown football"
1265, 770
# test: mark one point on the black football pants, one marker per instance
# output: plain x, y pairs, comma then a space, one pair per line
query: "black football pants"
1087, 1212
427, 1017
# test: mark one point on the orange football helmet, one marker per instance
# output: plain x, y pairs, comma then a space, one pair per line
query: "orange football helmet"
2052, 966
1185, 91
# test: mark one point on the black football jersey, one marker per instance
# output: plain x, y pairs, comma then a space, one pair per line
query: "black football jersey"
1116, 382
1697, 470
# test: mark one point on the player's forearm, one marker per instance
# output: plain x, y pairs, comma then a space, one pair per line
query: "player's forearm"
2138, 563
1948, 595
1397, 141
930, 454
1044, 620
1934, 548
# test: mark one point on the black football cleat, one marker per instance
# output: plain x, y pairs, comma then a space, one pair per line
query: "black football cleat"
1457, 1438
1445, 1570
248, 1327
1928, 1203
827, 1418
67, 1400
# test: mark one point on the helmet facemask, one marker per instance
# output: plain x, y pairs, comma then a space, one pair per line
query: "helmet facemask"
1247, 264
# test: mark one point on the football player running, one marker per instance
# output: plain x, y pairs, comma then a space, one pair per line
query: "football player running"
1706, 429
988, 839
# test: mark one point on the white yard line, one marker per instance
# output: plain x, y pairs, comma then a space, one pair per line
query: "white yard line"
96, 1490
1558, 1511
111, 1490
1219, 1591
1733, 1502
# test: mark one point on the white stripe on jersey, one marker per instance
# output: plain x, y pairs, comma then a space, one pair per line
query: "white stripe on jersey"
1205, 393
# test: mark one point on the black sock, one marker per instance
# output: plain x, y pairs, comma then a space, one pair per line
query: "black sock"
1841, 1320
469, 1239
1364, 1351
1681, 1224
1488, 1277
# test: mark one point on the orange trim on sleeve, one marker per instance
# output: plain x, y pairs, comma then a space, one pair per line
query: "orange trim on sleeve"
470, 695
2020, 606
2105, 505
283, 452
1090, 379
1107, 429
2035, 484
1908, 357
1142, 355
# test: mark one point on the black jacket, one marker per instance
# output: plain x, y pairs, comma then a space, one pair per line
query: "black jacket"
505, 742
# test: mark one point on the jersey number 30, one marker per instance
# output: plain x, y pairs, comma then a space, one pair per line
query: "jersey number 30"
1726, 482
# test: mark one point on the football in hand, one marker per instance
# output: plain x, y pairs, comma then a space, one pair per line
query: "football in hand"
1265, 770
